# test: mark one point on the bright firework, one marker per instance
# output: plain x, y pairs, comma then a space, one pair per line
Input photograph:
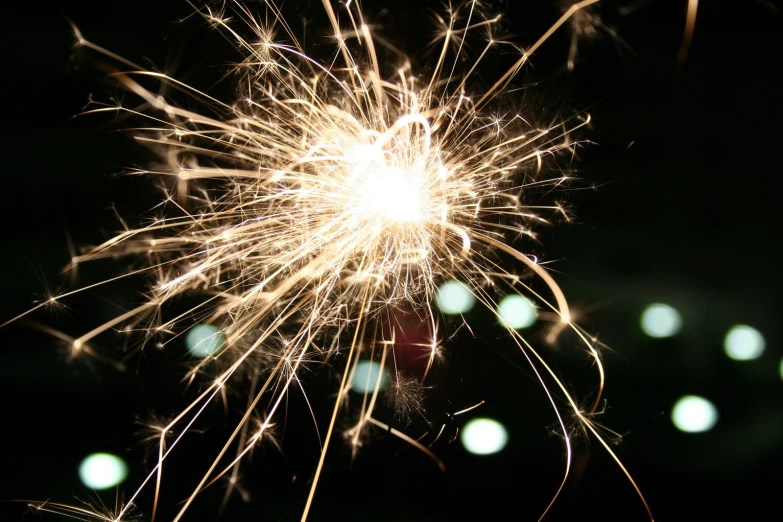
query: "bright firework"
325, 199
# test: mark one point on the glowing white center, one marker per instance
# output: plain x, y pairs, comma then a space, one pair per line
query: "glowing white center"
394, 195
385, 190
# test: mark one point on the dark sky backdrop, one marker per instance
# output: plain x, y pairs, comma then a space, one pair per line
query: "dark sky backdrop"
688, 215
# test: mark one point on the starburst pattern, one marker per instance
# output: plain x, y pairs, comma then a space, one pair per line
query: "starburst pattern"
329, 196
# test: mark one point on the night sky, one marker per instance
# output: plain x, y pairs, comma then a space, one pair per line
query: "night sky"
677, 201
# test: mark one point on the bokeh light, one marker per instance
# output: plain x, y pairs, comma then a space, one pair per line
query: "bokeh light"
484, 436
204, 340
744, 343
515, 311
780, 369
454, 298
694, 414
102, 471
365, 377
661, 320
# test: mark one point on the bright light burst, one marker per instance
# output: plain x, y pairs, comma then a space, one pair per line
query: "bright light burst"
329, 196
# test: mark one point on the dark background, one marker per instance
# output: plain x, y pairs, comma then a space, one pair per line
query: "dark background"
687, 215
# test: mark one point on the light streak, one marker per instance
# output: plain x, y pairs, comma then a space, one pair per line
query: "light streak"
328, 196
687, 35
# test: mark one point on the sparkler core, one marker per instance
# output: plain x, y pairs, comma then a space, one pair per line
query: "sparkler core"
394, 194
396, 175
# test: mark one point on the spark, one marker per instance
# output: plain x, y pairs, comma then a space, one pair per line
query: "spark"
687, 36
328, 196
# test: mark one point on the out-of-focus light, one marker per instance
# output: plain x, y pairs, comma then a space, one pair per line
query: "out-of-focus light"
204, 340
694, 414
661, 320
102, 471
484, 436
454, 298
515, 311
365, 378
780, 369
744, 343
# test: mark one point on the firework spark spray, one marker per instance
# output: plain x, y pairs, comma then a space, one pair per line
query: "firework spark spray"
327, 197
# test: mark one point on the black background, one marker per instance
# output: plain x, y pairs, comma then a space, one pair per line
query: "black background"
687, 215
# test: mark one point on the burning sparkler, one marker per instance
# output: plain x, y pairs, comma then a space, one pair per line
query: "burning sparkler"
326, 198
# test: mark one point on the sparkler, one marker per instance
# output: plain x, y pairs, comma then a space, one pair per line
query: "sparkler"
327, 197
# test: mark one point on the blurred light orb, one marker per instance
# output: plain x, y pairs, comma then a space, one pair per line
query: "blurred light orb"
454, 298
515, 311
744, 343
204, 340
484, 436
365, 378
780, 369
661, 320
102, 471
694, 414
